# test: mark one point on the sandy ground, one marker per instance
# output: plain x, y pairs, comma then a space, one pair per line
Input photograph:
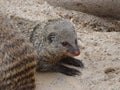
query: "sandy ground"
100, 49
100, 54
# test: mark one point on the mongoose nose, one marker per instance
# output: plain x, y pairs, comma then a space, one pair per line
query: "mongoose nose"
77, 53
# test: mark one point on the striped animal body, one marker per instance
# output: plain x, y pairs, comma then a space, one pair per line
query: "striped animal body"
17, 59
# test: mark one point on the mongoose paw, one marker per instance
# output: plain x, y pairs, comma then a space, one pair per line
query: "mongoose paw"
68, 71
72, 61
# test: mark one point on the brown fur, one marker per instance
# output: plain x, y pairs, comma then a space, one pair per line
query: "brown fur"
17, 59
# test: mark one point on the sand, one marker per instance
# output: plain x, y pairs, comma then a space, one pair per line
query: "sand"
99, 42
100, 54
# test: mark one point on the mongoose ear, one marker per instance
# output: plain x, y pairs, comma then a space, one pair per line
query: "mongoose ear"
52, 37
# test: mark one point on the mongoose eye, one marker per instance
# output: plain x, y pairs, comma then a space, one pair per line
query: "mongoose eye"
65, 44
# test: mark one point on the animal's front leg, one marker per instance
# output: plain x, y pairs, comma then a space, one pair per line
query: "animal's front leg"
72, 61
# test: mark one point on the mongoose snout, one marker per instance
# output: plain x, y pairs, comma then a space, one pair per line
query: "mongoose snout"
71, 51
75, 52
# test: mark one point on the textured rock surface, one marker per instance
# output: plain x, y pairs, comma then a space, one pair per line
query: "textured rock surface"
99, 41
107, 8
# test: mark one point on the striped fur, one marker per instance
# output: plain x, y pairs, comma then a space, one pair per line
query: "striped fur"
17, 59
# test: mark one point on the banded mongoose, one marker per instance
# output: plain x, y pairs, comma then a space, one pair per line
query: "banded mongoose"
17, 59
55, 42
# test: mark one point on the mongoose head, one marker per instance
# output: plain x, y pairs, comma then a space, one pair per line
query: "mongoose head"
61, 36
56, 37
